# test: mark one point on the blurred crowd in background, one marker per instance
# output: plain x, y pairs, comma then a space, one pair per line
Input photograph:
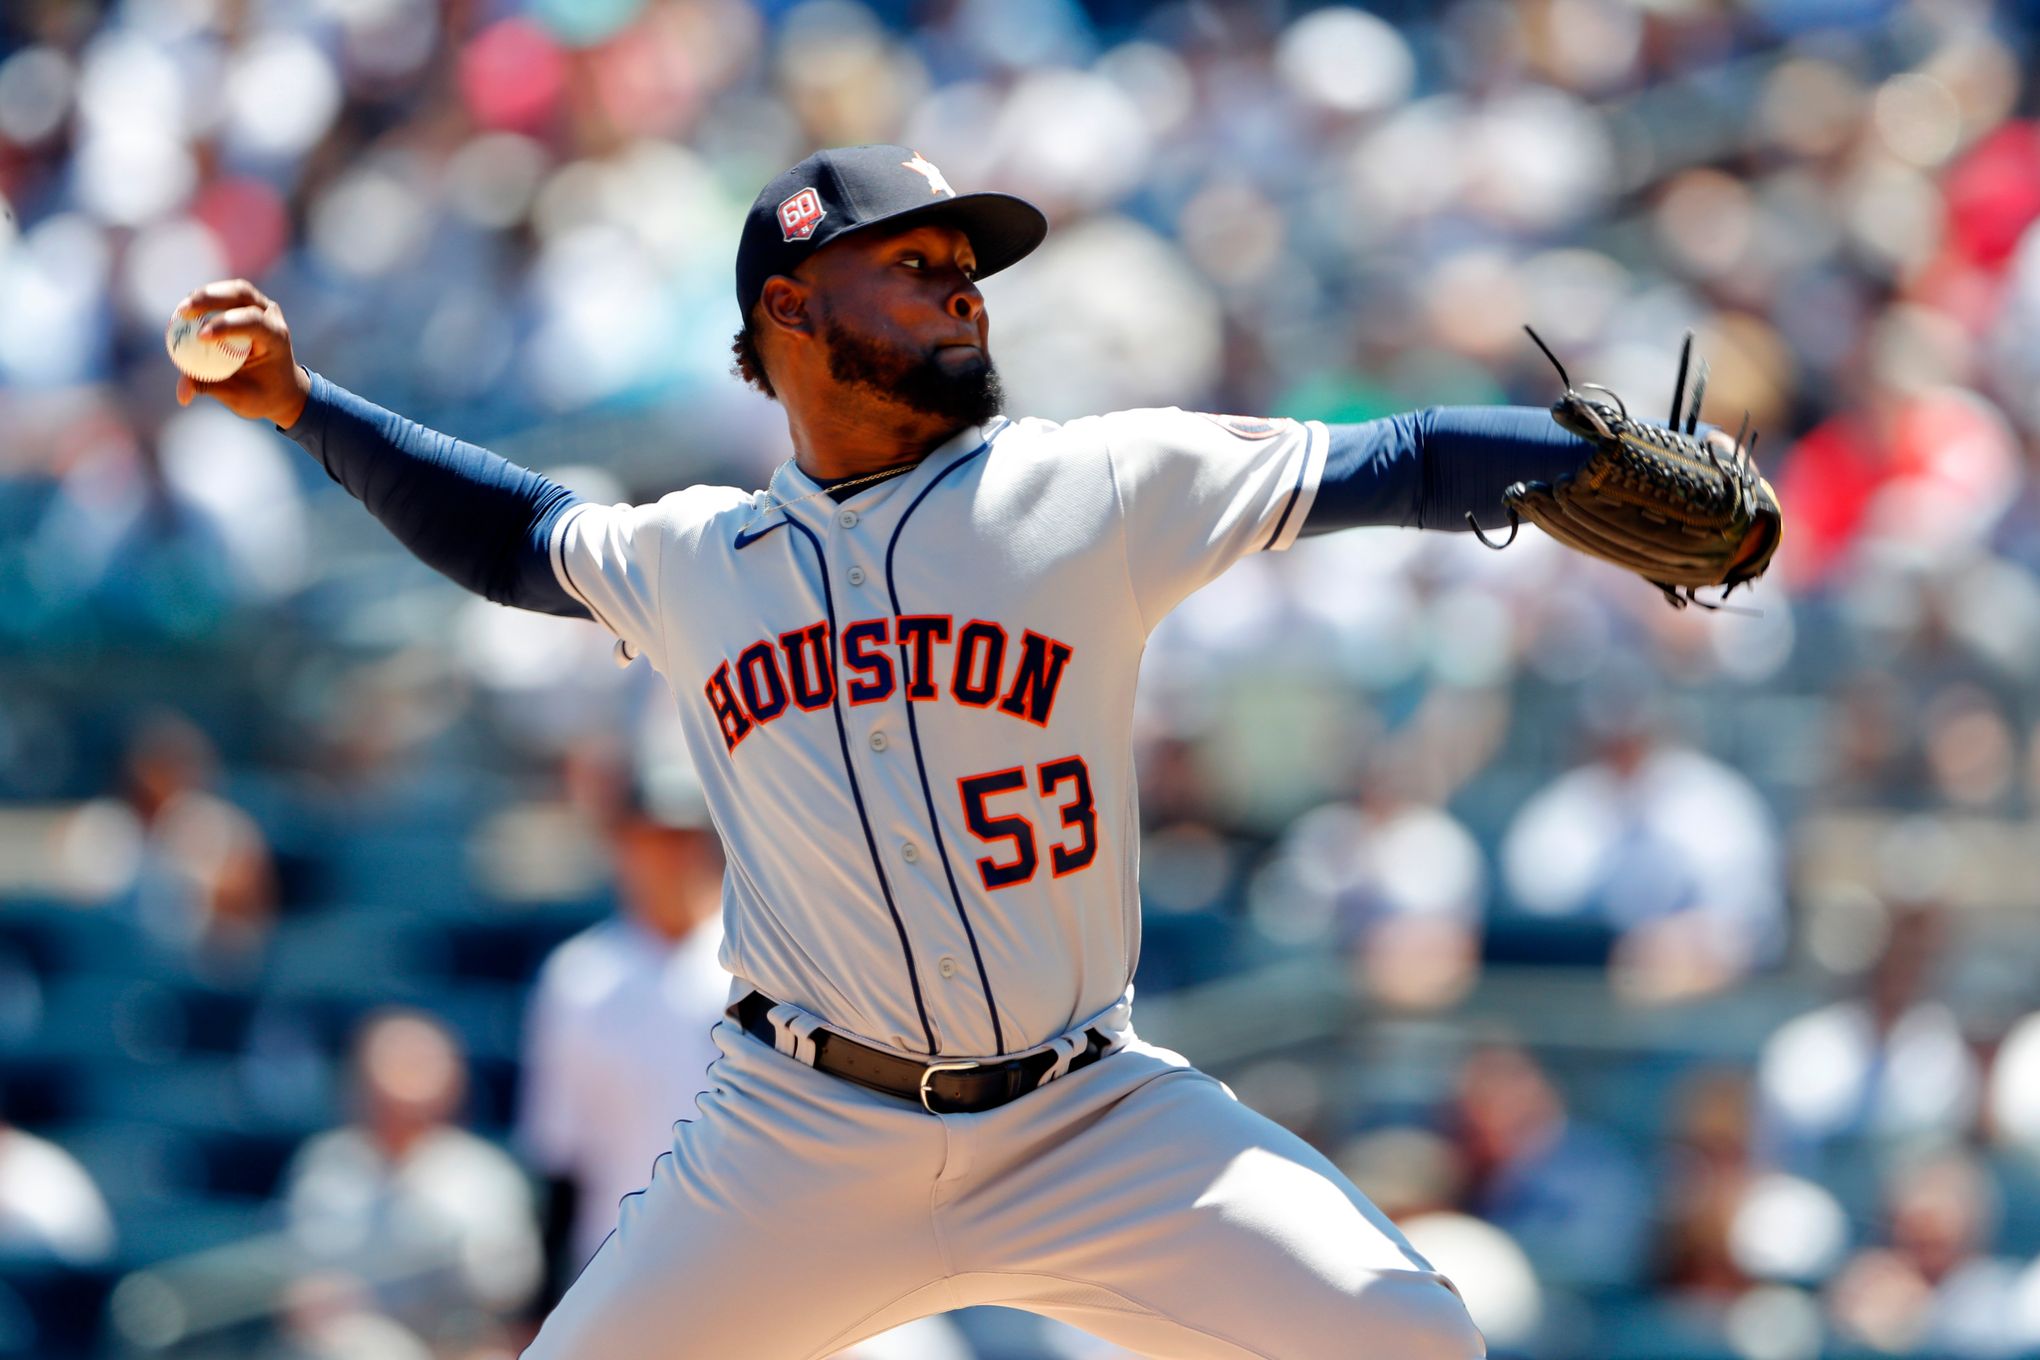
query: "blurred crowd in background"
1671, 976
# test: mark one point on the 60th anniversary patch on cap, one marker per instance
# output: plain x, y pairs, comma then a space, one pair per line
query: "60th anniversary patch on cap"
847, 189
800, 215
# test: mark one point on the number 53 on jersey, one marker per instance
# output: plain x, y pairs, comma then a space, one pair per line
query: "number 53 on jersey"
1074, 849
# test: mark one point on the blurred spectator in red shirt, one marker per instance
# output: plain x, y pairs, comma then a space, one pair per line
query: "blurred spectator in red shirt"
1993, 194
1914, 460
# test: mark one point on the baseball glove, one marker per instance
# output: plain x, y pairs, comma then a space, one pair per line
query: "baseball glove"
1669, 505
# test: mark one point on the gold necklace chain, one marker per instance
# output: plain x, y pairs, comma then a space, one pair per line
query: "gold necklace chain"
868, 478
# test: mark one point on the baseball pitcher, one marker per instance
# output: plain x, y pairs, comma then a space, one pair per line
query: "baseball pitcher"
906, 672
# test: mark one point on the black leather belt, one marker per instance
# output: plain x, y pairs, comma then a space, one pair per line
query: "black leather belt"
943, 1086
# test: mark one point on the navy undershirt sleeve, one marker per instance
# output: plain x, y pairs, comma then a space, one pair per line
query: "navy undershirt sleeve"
1427, 469
467, 513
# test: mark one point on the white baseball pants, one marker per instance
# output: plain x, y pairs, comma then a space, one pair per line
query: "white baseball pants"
1135, 1198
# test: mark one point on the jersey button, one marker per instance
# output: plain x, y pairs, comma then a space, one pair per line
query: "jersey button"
947, 966
910, 852
856, 576
878, 744
848, 519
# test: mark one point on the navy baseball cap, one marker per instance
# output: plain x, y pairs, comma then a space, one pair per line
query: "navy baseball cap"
849, 188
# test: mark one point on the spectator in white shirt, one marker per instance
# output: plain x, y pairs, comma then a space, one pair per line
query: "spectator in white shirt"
436, 1222
1673, 851
617, 1033
1396, 880
1891, 1064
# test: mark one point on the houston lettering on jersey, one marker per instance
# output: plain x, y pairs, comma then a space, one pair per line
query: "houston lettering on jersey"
976, 663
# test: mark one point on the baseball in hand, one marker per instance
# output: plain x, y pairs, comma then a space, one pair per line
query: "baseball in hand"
202, 360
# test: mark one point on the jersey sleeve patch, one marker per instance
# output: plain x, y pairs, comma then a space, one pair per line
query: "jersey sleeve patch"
1244, 427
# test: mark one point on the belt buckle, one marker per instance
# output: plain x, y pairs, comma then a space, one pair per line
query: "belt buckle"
928, 1075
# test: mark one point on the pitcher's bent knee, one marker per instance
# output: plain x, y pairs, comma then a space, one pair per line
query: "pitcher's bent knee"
1417, 1317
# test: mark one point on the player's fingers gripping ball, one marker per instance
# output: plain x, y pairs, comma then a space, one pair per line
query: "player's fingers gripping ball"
200, 358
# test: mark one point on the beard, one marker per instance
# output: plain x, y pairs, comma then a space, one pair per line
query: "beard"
970, 395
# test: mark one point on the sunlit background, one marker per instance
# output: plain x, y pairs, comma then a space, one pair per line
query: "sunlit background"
1670, 976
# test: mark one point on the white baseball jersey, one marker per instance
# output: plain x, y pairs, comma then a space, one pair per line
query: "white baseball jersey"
912, 709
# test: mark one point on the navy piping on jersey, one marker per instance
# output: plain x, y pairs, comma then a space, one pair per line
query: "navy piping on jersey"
627, 1198
557, 551
914, 736
1302, 467
843, 737
706, 1072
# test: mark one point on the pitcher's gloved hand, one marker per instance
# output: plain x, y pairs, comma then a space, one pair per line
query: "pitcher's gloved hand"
1680, 509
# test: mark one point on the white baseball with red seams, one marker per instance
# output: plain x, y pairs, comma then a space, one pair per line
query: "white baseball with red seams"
199, 359
911, 710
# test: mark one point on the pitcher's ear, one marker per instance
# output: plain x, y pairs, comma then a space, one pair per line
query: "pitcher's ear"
784, 304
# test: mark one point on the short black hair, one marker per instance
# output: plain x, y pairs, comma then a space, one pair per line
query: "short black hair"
750, 365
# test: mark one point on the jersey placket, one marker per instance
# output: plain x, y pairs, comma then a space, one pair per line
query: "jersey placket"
882, 736
852, 561
949, 466
810, 542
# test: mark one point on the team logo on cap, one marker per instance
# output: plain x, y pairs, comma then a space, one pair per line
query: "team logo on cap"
937, 185
801, 214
